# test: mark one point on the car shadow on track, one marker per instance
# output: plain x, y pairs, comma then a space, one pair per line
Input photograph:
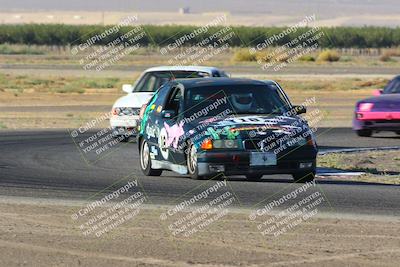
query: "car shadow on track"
267, 179
385, 137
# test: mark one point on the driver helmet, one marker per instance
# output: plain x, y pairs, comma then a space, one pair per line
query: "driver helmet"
242, 102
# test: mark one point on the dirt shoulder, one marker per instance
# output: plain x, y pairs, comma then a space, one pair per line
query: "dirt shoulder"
378, 166
43, 235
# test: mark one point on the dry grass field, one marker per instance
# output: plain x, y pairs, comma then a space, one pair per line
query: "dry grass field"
44, 234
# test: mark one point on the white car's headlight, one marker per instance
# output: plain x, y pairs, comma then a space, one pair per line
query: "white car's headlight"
125, 111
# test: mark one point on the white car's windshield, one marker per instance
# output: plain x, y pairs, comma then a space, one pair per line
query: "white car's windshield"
393, 87
151, 81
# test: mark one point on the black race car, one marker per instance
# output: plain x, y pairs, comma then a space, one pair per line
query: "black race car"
203, 127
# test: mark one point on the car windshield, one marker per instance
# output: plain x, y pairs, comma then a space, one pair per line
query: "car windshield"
393, 87
237, 99
151, 81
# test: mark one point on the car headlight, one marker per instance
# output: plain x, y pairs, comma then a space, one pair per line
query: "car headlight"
115, 111
125, 111
225, 144
365, 106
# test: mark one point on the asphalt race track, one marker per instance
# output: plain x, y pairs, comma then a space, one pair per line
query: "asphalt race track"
48, 164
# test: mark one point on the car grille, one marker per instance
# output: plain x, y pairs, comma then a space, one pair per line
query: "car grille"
282, 165
386, 121
264, 145
126, 111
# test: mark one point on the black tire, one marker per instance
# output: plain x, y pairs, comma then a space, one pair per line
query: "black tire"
120, 136
191, 162
124, 139
303, 177
145, 160
364, 133
398, 132
254, 177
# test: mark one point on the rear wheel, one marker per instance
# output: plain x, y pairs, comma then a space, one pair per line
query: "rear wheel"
302, 177
145, 161
254, 177
364, 133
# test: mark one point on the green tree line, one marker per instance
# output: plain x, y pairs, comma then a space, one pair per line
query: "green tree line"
53, 34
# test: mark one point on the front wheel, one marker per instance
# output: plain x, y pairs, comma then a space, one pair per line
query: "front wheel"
303, 177
191, 162
145, 161
364, 133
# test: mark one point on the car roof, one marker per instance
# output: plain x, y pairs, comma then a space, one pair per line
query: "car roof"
219, 81
183, 68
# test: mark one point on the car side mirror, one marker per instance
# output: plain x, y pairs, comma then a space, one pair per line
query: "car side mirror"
300, 109
377, 92
127, 88
168, 113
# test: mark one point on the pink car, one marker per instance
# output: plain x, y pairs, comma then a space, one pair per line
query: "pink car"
379, 113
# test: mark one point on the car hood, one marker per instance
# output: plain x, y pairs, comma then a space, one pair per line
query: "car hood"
133, 100
385, 102
248, 126
384, 98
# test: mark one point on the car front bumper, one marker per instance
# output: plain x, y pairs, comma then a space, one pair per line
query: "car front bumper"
124, 125
239, 162
389, 121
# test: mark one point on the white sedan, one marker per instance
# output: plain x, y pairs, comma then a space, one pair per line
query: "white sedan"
125, 111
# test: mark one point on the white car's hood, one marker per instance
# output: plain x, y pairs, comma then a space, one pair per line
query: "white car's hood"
133, 100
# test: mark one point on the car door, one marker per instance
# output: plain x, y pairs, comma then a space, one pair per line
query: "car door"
152, 122
172, 131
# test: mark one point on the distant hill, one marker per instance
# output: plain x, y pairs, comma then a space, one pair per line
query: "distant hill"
329, 12
281, 7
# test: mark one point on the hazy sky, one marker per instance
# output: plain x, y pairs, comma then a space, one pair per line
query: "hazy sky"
322, 7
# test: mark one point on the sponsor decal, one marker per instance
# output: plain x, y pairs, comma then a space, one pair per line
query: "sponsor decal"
152, 131
287, 129
250, 120
162, 143
146, 113
174, 132
225, 132
153, 152
250, 128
